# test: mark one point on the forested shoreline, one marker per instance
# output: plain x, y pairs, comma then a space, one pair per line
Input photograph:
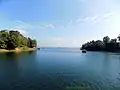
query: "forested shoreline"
107, 44
10, 40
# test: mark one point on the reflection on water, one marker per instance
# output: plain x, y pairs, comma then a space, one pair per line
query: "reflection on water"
56, 69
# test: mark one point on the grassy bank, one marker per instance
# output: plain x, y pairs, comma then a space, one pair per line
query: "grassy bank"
21, 49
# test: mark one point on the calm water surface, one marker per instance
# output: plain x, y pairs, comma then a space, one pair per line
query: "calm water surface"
59, 69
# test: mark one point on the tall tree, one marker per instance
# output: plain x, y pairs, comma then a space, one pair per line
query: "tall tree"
118, 37
106, 39
3, 39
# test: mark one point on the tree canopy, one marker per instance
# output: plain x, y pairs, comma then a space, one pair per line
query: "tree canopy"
106, 44
13, 39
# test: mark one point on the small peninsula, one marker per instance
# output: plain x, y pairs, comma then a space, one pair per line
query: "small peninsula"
14, 41
107, 45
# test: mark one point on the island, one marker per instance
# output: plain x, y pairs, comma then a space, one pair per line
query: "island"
107, 45
14, 41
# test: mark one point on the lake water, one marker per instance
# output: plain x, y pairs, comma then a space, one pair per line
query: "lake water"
59, 69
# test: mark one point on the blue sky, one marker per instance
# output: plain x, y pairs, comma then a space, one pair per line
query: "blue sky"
62, 22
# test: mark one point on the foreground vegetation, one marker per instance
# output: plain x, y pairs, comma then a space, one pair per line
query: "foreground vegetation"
14, 41
107, 44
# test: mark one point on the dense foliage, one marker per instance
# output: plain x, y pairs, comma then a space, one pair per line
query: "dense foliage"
13, 39
106, 44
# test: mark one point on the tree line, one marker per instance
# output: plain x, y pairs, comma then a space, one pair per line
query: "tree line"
13, 39
107, 44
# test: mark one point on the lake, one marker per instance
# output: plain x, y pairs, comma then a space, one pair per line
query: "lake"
59, 69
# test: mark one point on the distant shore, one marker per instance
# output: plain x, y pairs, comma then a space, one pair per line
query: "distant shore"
18, 50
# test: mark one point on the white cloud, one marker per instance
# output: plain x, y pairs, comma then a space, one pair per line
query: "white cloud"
33, 26
29, 26
78, 20
108, 15
87, 18
70, 22
94, 19
23, 24
50, 26
82, 20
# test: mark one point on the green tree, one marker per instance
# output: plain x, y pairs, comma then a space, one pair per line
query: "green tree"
29, 42
113, 40
33, 43
118, 37
13, 39
3, 39
106, 39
